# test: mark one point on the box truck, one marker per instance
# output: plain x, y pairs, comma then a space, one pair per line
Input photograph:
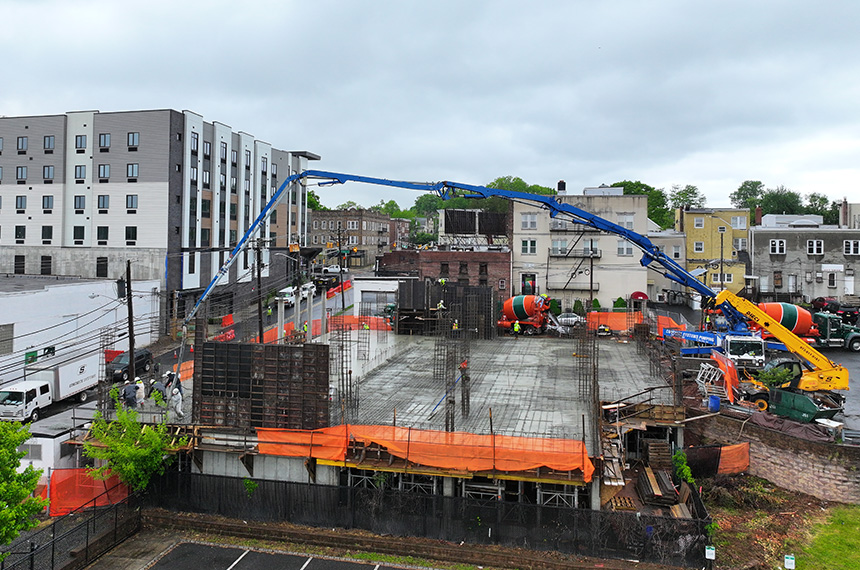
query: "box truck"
45, 383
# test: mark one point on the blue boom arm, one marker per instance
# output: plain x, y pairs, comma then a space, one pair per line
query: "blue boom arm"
447, 190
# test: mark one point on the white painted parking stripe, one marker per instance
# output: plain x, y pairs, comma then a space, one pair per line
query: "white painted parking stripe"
305, 565
238, 559
376, 567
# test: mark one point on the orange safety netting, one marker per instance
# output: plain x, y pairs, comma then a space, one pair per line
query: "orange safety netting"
734, 459
442, 450
668, 323
186, 369
615, 321
74, 488
346, 322
730, 374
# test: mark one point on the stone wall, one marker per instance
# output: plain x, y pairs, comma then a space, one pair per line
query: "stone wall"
824, 470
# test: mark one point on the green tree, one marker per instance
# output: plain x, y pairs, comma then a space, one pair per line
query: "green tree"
517, 184
348, 205
781, 200
129, 449
748, 195
658, 211
422, 238
314, 202
426, 205
821, 205
17, 508
688, 195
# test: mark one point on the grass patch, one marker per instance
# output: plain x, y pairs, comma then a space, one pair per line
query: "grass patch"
833, 544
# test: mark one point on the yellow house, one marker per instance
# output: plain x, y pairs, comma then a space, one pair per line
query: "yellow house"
717, 245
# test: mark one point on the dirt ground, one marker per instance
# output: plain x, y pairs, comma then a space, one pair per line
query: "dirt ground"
757, 522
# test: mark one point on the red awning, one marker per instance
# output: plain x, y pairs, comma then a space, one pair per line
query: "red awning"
639, 296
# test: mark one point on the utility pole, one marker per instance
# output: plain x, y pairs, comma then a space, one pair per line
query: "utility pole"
342, 259
259, 288
722, 230
132, 373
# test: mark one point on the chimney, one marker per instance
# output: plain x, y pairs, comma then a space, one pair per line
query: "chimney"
758, 213
843, 213
562, 188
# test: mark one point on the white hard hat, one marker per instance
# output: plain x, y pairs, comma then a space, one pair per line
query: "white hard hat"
152, 381
176, 390
137, 378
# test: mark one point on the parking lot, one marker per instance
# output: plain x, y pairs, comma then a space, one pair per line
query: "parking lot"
192, 556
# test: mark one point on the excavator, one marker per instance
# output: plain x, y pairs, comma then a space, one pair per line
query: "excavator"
822, 374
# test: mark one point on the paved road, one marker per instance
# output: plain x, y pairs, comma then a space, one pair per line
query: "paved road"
194, 556
851, 361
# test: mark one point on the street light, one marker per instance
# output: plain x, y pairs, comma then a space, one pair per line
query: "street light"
722, 230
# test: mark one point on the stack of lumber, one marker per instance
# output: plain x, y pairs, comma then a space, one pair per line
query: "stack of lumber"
658, 454
656, 488
618, 503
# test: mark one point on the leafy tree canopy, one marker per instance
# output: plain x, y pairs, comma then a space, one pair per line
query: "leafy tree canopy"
348, 205
781, 200
131, 450
689, 195
517, 184
426, 205
314, 202
658, 211
748, 195
17, 508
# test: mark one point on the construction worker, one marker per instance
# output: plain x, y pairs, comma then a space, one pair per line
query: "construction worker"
455, 326
440, 306
366, 326
516, 328
442, 281
129, 394
305, 327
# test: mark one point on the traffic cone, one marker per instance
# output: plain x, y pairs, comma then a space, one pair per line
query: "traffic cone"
191, 348
175, 356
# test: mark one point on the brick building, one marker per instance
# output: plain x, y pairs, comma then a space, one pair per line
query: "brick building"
364, 233
469, 267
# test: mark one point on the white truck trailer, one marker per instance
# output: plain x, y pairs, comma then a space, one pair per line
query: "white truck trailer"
56, 379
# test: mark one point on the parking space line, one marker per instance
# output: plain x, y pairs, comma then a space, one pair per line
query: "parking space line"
238, 560
305, 565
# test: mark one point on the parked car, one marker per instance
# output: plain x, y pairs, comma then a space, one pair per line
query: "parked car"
849, 314
326, 282
117, 369
571, 320
289, 295
331, 269
308, 290
827, 304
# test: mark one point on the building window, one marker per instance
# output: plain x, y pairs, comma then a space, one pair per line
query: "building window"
247, 185
132, 170
20, 202
133, 139
322, 224
207, 149
104, 171
273, 217
223, 180
233, 237
715, 278
48, 172
101, 267
234, 157
194, 138
529, 221
104, 201
676, 252
777, 246
482, 269
559, 247
102, 233
814, 247
352, 224
205, 178
206, 208
316, 224
529, 246
464, 268
1, 145
104, 141
22, 145
193, 173
80, 142
21, 173
625, 247
234, 208
46, 265
699, 246
274, 169
625, 221
264, 165
233, 184
47, 233
48, 144
740, 244
739, 222
699, 223
204, 237
131, 201
20, 233
80, 172
851, 247
19, 264
248, 160
130, 235
223, 152
47, 202
78, 234
80, 202
831, 280
443, 268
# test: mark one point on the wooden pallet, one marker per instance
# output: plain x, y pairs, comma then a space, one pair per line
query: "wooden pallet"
622, 504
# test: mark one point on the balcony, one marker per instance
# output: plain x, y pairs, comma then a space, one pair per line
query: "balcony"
567, 226
577, 253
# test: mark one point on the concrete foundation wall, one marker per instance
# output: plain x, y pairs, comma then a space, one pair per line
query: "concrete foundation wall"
826, 471
270, 467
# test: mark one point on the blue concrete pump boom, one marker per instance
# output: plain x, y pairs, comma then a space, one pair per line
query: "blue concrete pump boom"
447, 190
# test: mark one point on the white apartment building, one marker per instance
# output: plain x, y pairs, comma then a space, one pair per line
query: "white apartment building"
84, 191
569, 261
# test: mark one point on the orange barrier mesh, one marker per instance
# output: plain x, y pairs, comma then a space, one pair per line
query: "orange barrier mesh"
186, 369
74, 488
668, 323
734, 459
442, 450
227, 321
345, 322
615, 321
730, 374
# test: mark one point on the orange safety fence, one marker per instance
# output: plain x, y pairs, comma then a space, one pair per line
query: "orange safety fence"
186, 369
615, 321
75, 488
667, 323
345, 322
111, 354
335, 290
734, 459
730, 374
442, 450
227, 321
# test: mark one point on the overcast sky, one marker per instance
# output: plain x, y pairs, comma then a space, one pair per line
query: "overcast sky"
709, 93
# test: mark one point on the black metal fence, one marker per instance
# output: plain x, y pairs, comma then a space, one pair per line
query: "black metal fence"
619, 535
76, 539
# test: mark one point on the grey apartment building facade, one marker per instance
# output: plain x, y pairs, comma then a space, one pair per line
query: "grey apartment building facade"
85, 191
